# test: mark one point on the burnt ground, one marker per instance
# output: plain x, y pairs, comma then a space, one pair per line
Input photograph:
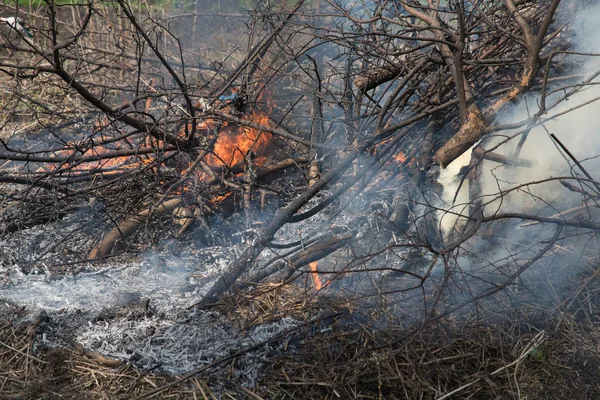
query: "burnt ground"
100, 338
347, 353
121, 329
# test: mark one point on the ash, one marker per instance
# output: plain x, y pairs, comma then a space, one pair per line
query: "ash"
133, 310
176, 343
163, 278
49, 248
137, 312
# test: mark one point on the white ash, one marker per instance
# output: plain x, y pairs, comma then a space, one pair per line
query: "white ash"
40, 249
177, 343
167, 279
102, 311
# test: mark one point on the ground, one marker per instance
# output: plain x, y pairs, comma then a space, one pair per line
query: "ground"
349, 355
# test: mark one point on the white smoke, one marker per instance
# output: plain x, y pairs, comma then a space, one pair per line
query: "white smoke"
576, 129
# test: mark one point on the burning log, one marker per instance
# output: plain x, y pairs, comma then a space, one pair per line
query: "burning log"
282, 270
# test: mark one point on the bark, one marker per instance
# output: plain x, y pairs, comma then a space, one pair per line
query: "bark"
473, 127
372, 78
129, 227
470, 132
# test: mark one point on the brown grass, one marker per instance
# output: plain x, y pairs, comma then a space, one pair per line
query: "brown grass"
344, 358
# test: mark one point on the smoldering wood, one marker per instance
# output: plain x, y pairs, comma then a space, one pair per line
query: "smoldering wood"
312, 253
292, 262
75, 159
405, 204
129, 226
248, 257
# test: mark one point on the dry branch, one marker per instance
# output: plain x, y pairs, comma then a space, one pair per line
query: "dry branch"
499, 158
130, 226
374, 77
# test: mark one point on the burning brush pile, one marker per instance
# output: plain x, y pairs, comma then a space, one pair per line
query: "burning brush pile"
321, 200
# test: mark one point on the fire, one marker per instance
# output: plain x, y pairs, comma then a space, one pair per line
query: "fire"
220, 198
399, 157
234, 143
391, 173
234, 146
315, 276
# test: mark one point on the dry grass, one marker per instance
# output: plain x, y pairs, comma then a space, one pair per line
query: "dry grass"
268, 303
68, 374
341, 358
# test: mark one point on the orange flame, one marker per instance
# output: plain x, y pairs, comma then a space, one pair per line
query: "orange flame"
400, 157
235, 142
232, 146
220, 198
315, 276
109, 165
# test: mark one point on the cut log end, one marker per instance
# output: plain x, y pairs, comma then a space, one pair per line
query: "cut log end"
470, 132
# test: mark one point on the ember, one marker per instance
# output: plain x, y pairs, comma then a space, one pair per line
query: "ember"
315, 276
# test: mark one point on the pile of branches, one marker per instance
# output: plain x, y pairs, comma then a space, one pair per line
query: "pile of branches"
344, 91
